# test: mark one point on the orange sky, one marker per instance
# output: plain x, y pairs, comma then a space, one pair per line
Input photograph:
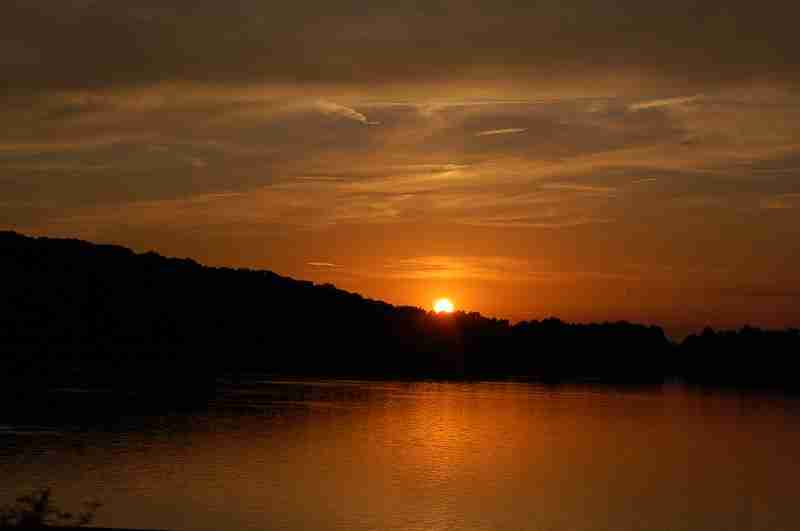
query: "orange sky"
591, 160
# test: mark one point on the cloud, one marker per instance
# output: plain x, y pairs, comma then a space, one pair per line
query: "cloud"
56, 146
324, 265
579, 187
665, 102
781, 202
494, 268
362, 47
320, 204
533, 222
573, 168
460, 267
334, 109
508, 131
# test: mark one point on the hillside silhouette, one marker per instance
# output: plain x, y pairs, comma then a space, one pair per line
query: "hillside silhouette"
75, 311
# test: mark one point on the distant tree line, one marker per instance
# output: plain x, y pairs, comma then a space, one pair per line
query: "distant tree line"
70, 309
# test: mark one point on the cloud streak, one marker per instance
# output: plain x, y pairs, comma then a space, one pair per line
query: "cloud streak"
661, 103
492, 268
507, 131
334, 109
324, 265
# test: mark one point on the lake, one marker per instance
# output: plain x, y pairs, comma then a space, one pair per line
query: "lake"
351, 455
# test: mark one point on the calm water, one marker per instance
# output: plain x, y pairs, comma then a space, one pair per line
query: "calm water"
391, 456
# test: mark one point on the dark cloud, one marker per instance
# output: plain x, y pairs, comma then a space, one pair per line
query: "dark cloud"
50, 43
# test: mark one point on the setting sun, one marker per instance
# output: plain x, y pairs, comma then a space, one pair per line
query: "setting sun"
443, 306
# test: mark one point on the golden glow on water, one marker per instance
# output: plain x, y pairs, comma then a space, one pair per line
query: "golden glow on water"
401, 457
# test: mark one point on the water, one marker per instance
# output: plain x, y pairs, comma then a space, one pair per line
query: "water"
417, 456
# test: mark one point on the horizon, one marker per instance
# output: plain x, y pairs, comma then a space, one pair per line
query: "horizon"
433, 308
596, 161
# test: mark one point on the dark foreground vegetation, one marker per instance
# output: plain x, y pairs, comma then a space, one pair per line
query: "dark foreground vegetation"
71, 310
36, 510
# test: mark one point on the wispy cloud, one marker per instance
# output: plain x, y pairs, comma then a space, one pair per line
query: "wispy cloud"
324, 265
334, 109
578, 187
60, 146
315, 205
460, 267
665, 102
494, 268
533, 222
507, 131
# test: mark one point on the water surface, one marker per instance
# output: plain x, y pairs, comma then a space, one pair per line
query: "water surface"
356, 456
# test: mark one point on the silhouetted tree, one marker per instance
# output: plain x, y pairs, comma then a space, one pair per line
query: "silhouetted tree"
75, 311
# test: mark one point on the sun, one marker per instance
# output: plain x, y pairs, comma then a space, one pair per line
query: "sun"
443, 306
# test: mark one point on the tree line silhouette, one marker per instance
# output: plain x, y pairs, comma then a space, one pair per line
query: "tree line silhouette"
72, 310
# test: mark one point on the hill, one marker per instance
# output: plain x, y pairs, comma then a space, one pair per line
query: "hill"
72, 309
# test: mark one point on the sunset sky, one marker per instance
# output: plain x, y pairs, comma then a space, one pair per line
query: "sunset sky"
589, 159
